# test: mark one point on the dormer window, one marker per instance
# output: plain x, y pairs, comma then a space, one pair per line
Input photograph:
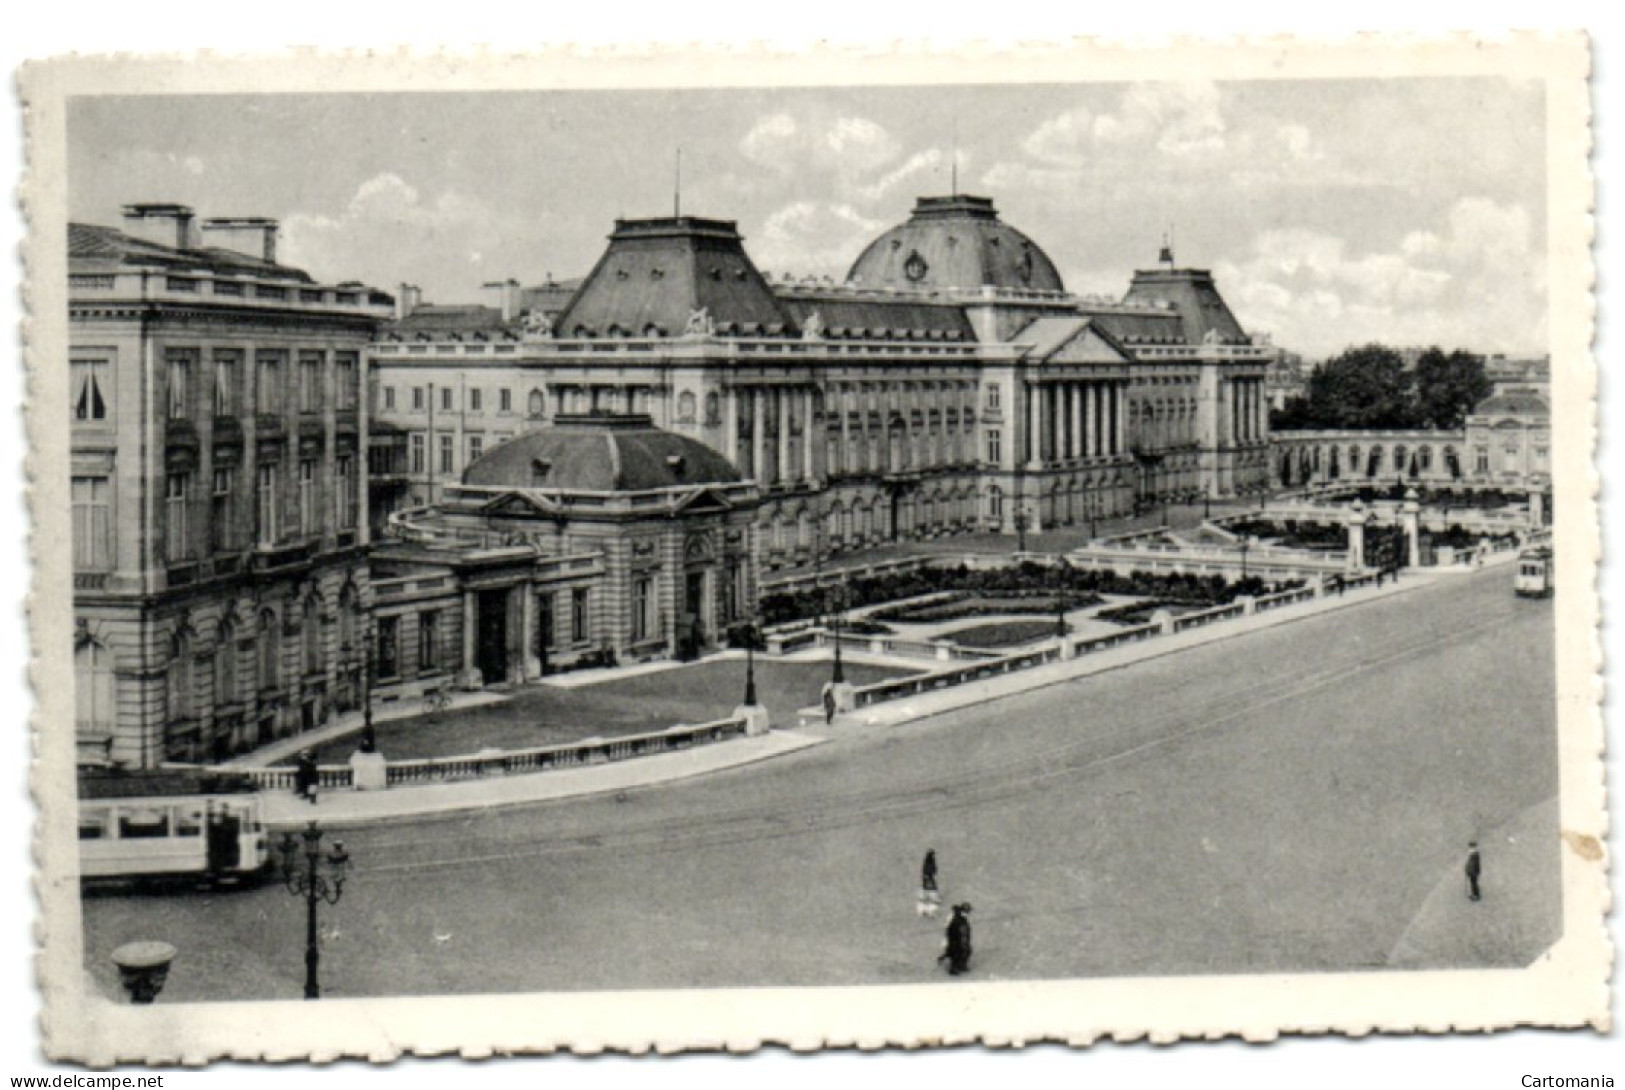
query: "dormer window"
539, 469
677, 464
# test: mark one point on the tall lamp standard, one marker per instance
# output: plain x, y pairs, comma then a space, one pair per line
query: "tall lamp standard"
1021, 527
837, 604
369, 737
1207, 503
751, 633
320, 878
1246, 543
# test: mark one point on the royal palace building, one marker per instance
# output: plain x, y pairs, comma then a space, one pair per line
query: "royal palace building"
219, 498
950, 384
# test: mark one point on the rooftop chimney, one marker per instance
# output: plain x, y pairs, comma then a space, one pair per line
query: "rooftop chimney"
407, 300
248, 235
162, 224
507, 293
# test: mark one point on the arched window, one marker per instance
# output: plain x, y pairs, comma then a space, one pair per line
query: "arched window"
347, 623
686, 405
832, 526
267, 648
713, 412
94, 690
178, 687
536, 405
225, 665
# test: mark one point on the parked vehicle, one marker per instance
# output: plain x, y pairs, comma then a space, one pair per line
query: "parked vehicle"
1535, 578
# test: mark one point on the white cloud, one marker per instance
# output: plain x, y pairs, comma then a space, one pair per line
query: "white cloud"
813, 237
388, 230
1478, 285
1177, 120
771, 142
919, 163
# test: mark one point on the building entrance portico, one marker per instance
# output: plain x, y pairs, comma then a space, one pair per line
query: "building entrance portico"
491, 644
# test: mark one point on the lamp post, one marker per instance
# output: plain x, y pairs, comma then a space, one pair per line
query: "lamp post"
1246, 543
1021, 527
838, 673
752, 630
369, 737
1207, 503
319, 878
1060, 616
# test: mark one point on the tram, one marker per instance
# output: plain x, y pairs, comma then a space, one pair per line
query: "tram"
1535, 578
148, 824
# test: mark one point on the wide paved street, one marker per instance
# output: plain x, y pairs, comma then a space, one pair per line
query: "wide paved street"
1297, 799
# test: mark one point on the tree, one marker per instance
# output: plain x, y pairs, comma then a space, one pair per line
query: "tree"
1364, 388
1447, 387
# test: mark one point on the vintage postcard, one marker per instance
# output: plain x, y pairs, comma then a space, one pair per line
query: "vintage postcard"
690, 550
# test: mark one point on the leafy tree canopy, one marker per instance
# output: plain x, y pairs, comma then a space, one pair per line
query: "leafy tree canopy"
1370, 388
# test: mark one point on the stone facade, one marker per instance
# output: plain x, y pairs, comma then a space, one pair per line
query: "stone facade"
866, 412
219, 496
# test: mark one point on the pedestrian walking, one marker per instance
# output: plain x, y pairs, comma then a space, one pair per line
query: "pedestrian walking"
956, 949
930, 900
305, 776
1475, 867
829, 702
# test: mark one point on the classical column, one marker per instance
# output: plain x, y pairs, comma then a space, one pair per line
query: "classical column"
809, 444
758, 469
1079, 436
469, 622
1115, 409
529, 665
1035, 427
1097, 446
730, 424
781, 403
846, 458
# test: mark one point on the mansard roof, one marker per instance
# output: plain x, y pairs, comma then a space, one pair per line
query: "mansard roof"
92, 247
601, 452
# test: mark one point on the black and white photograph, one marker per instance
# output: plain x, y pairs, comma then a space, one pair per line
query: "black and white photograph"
1053, 547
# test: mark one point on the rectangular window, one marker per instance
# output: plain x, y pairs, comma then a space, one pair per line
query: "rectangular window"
580, 629
180, 377
1509, 460
1540, 459
92, 524
268, 384
474, 400
476, 443
346, 386
995, 446
91, 389
225, 384
993, 397
419, 464
265, 494
641, 596
220, 510
388, 657
428, 640
505, 400
307, 497
344, 470
417, 399
310, 382
389, 398
177, 543
445, 398
448, 454
1482, 459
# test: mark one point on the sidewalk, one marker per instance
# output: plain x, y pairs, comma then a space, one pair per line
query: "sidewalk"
338, 809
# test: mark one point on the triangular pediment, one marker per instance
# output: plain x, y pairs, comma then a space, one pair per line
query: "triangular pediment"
703, 500
518, 505
1071, 340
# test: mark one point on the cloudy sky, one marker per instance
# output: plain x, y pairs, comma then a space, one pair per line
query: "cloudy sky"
1332, 212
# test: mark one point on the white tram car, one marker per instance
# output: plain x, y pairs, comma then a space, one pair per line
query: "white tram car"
1535, 578
147, 824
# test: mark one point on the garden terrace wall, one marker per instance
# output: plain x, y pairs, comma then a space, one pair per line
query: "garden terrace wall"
514, 761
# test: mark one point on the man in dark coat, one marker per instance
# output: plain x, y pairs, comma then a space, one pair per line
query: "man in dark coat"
928, 870
958, 951
304, 776
1474, 869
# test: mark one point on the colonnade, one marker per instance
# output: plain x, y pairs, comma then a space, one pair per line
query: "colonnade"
772, 457
1247, 408
1068, 420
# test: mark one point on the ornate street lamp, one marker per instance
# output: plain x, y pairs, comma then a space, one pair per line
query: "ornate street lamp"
1021, 527
369, 736
320, 878
1246, 543
1060, 615
1207, 503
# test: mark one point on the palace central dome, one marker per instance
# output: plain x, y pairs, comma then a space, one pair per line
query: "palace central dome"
955, 242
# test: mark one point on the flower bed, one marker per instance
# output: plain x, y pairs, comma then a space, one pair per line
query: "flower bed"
1003, 634
1140, 612
969, 605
